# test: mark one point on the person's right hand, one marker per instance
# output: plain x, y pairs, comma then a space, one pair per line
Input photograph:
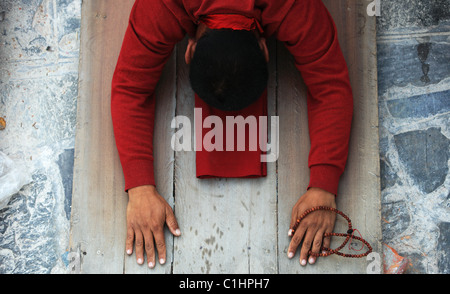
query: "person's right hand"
147, 212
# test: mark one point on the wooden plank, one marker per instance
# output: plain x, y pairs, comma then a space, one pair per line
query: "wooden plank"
228, 225
98, 225
359, 187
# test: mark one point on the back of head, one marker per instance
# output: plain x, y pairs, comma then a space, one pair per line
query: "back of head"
228, 70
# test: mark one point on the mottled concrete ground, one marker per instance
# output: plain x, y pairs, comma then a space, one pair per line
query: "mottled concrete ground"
39, 47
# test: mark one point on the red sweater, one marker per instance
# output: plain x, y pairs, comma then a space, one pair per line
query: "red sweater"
304, 26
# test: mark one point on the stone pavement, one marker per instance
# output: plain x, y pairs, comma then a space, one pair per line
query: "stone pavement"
39, 48
414, 109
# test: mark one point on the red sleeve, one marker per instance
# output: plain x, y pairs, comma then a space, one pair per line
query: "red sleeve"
310, 35
150, 38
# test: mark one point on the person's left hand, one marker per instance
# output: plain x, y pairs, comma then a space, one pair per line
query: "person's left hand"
313, 226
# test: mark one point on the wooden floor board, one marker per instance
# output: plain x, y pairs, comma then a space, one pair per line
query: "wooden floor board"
98, 215
228, 225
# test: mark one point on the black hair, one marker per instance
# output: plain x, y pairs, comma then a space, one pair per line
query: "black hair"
228, 70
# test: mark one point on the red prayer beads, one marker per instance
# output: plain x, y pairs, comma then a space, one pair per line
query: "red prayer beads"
349, 235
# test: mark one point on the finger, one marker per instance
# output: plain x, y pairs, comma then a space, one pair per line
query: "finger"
171, 222
149, 249
139, 244
307, 243
160, 245
327, 240
317, 243
296, 240
293, 228
129, 241
294, 223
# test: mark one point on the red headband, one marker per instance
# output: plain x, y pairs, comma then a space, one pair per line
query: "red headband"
231, 21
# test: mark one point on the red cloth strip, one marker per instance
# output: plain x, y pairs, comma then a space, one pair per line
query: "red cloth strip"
231, 21
230, 164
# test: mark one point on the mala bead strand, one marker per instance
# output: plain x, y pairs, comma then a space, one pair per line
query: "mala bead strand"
349, 235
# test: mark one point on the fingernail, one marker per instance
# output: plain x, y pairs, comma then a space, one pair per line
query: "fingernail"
290, 254
140, 261
150, 264
161, 261
311, 260
303, 262
177, 232
290, 232
128, 251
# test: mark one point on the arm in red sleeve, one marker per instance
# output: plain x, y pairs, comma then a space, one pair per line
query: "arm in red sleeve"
310, 35
149, 40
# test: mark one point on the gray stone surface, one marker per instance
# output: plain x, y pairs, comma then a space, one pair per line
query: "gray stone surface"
39, 49
396, 219
414, 108
420, 106
407, 14
443, 245
424, 155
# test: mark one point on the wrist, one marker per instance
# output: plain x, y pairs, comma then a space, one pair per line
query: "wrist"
316, 192
320, 190
141, 191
